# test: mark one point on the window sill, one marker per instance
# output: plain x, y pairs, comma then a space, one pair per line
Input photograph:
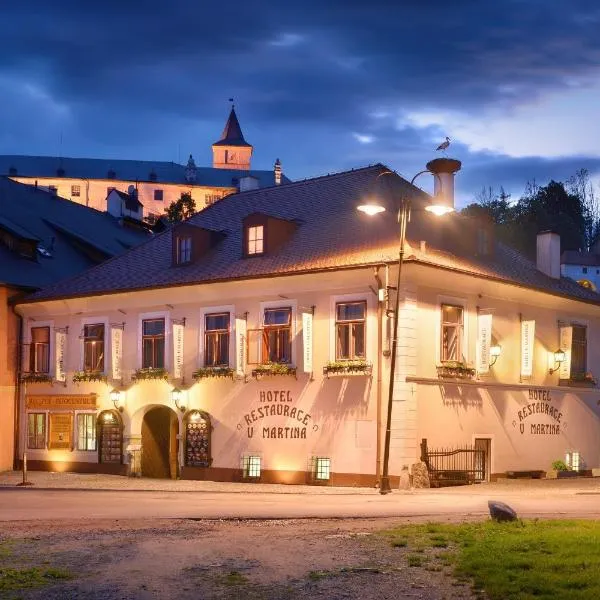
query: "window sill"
273, 369
576, 383
208, 372
349, 367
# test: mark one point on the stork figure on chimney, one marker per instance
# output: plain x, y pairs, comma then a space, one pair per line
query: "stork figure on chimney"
444, 145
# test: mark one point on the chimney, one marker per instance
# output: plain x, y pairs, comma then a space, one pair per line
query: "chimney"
247, 183
548, 253
277, 170
443, 170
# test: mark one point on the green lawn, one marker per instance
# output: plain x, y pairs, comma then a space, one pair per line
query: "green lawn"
519, 560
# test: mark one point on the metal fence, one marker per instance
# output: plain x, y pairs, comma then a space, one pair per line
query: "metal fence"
454, 466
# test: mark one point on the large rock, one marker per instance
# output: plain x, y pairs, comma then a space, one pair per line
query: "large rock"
500, 511
420, 475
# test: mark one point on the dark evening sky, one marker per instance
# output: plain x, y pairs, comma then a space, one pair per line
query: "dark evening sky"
324, 85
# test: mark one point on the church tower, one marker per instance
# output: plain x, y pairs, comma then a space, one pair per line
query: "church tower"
232, 151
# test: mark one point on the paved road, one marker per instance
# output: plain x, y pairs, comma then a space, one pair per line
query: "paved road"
38, 504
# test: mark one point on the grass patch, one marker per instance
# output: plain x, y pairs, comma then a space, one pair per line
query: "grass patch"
233, 578
318, 575
558, 560
17, 579
415, 560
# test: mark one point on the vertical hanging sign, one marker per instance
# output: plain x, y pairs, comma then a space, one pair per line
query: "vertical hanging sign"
484, 341
60, 345
566, 339
178, 350
116, 341
240, 347
527, 346
307, 340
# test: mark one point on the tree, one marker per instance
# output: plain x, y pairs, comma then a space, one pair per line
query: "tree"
181, 209
581, 186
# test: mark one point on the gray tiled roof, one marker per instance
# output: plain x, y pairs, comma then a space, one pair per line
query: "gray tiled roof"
61, 227
126, 170
330, 234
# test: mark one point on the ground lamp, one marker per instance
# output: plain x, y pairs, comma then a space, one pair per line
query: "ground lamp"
443, 170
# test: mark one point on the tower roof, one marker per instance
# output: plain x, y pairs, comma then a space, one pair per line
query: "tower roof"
232, 133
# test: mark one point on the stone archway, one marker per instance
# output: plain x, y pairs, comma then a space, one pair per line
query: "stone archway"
160, 427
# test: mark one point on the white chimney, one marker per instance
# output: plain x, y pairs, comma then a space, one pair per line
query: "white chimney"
548, 253
277, 171
443, 170
247, 183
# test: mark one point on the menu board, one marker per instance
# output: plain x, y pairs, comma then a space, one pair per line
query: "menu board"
197, 443
110, 440
61, 431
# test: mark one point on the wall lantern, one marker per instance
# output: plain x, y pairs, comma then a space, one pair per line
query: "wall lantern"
178, 398
559, 357
117, 398
495, 352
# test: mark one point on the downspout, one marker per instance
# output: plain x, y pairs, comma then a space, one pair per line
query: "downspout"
17, 408
380, 301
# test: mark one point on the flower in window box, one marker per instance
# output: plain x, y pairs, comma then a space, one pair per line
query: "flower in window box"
273, 369
150, 373
357, 366
81, 376
207, 372
455, 370
583, 378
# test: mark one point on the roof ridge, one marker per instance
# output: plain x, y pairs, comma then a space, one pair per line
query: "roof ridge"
59, 158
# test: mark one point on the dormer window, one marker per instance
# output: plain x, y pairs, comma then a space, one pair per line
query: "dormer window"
184, 250
256, 239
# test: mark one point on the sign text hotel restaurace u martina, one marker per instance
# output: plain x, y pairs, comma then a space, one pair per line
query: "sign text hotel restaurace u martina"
539, 405
273, 404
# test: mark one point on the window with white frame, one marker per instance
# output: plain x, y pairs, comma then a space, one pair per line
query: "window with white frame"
251, 466
256, 239
86, 431
39, 350
36, 431
277, 335
322, 468
452, 333
184, 250
216, 339
93, 348
153, 343
350, 329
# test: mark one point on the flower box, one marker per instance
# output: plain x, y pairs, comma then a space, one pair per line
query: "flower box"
455, 370
207, 372
273, 369
587, 380
347, 367
36, 378
81, 376
150, 374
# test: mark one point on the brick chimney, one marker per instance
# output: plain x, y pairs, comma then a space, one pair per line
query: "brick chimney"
548, 253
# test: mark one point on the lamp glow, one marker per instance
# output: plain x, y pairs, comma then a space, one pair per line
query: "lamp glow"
559, 357
439, 209
371, 209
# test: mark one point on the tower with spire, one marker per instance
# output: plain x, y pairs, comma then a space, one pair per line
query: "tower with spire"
232, 151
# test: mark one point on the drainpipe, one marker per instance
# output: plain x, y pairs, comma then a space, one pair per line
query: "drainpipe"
18, 384
380, 301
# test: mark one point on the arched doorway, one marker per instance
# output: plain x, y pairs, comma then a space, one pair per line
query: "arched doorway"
159, 443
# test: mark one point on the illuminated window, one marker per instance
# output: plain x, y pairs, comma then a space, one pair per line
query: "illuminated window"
573, 460
216, 340
350, 319
256, 239
36, 431
39, 351
75, 191
277, 335
251, 467
322, 468
86, 432
93, 348
153, 344
452, 333
184, 250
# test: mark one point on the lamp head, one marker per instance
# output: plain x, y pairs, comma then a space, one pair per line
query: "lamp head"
559, 356
116, 398
439, 210
177, 397
371, 208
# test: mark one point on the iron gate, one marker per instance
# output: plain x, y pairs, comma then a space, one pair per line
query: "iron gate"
454, 466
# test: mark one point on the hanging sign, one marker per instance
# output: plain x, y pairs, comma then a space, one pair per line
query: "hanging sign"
240, 346
116, 340
484, 341
566, 338
307, 339
527, 346
177, 350
60, 345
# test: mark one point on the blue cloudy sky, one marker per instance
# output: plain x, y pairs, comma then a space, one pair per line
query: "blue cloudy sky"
323, 85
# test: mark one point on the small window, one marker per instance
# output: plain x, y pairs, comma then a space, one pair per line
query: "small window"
153, 344
39, 351
350, 330
36, 431
93, 348
251, 467
256, 239
75, 191
86, 432
452, 333
158, 195
584, 269
277, 335
184, 250
579, 351
216, 340
322, 468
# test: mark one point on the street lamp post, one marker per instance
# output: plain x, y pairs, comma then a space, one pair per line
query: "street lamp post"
403, 219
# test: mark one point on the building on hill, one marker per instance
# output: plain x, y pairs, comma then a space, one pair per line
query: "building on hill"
44, 238
88, 181
253, 342
583, 267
